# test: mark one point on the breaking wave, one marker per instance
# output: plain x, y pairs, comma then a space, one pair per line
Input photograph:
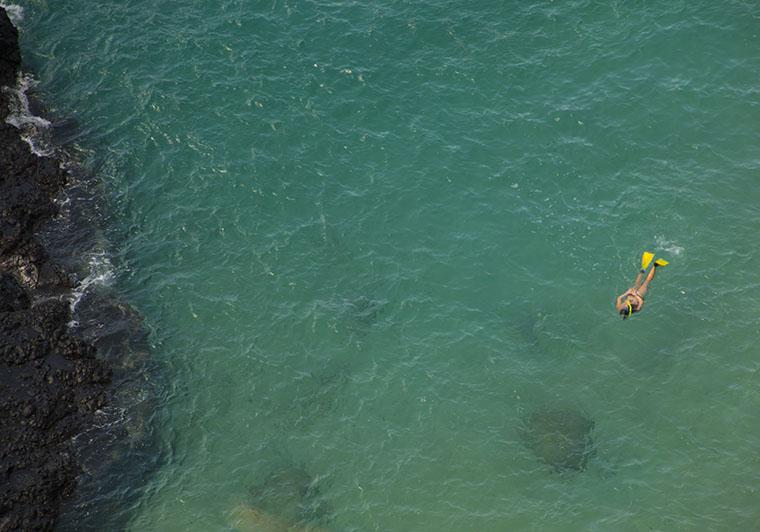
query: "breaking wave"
35, 130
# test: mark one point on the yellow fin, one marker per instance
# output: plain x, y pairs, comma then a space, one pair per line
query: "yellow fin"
661, 262
646, 258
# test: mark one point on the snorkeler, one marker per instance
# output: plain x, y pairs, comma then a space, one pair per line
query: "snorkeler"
632, 300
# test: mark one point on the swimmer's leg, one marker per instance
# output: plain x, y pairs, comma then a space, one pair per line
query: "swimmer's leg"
637, 282
644, 287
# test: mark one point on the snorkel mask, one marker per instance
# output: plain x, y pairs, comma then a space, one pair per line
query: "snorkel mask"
626, 312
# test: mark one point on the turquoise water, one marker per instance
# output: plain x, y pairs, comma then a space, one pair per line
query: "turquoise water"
372, 237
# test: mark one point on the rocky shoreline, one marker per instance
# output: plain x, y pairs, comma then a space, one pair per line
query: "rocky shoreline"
54, 381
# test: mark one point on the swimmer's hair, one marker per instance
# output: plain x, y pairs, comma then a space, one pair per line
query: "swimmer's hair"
625, 313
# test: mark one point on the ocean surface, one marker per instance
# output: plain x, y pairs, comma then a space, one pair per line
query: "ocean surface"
371, 239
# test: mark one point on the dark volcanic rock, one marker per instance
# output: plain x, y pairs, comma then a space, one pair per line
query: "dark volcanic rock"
12, 295
10, 56
50, 382
28, 184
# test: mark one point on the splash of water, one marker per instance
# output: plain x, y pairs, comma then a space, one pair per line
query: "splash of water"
35, 130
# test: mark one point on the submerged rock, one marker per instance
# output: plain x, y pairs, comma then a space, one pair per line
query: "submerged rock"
317, 394
528, 326
365, 311
560, 438
291, 494
55, 391
246, 518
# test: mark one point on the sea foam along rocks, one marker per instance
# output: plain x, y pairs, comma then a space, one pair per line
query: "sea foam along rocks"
51, 383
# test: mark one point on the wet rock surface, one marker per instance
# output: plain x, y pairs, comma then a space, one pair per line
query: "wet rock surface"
51, 382
10, 58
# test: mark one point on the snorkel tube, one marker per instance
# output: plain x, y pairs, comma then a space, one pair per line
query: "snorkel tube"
626, 312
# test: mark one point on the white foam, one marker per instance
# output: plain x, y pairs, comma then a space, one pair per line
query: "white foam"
15, 13
668, 245
35, 130
100, 274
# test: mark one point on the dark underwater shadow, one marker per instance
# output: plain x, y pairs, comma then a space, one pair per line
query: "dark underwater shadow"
319, 393
316, 394
361, 313
120, 454
560, 438
284, 496
527, 326
291, 491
